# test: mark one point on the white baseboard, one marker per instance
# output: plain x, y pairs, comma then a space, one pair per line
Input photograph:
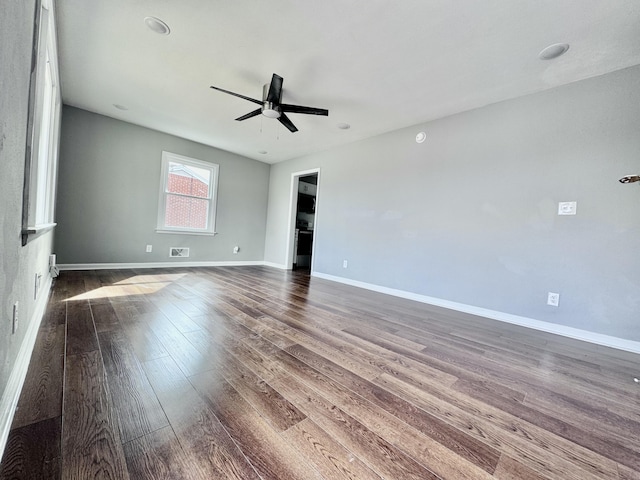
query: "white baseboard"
280, 266
578, 334
122, 266
18, 374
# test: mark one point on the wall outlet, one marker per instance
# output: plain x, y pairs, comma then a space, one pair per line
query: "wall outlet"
236, 249
36, 286
14, 327
553, 299
567, 208
345, 264
149, 248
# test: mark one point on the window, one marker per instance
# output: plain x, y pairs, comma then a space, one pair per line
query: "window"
43, 128
188, 189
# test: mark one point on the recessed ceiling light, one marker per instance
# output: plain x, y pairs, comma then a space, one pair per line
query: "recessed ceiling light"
553, 51
120, 107
421, 137
262, 152
344, 126
157, 25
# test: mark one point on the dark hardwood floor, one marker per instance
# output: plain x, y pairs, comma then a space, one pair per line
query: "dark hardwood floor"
252, 372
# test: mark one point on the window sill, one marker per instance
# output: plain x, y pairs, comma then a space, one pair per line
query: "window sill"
35, 231
186, 232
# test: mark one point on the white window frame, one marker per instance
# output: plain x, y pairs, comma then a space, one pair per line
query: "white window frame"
214, 168
43, 129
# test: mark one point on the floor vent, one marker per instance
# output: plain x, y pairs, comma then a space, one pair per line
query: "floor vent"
178, 252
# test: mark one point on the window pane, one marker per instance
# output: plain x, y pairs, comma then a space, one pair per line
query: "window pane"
186, 212
188, 180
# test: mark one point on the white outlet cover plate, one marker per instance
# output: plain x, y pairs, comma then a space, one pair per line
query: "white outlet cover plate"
553, 299
567, 208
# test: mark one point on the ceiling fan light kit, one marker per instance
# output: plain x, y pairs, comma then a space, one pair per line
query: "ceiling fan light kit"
270, 110
271, 105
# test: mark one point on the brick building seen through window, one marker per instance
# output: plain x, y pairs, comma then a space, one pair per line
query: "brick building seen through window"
189, 206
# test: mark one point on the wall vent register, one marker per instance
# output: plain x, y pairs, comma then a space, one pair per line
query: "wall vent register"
179, 252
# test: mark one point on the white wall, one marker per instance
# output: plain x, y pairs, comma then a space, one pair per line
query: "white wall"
108, 196
470, 216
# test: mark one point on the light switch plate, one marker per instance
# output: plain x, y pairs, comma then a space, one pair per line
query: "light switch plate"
567, 208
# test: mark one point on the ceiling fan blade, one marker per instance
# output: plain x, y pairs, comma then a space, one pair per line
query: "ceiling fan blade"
283, 119
250, 114
300, 109
237, 95
275, 89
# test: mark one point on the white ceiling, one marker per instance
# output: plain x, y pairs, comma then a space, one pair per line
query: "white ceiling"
378, 65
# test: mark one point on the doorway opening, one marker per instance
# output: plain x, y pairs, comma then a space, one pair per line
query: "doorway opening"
302, 228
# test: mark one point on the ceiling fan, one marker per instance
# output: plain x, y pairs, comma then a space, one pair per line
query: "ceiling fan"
271, 106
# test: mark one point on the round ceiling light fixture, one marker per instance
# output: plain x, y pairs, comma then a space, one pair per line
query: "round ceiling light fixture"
271, 113
343, 126
270, 110
120, 107
553, 51
157, 25
421, 137
262, 152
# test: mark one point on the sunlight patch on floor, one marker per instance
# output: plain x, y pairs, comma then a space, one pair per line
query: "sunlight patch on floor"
121, 291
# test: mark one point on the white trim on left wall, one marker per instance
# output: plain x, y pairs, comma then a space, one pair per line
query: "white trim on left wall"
13, 388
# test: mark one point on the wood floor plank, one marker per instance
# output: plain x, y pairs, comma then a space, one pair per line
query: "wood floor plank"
427, 451
91, 446
33, 452
105, 317
190, 360
356, 357
195, 425
356, 437
330, 458
251, 432
159, 456
235, 365
509, 469
136, 407
453, 438
585, 426
41, 396
626, 473
258, 364
272, 406
81, 332
144, 342
509, 434
178, 317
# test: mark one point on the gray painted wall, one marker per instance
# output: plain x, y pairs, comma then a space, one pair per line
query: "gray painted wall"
470, 215
109, 182
18, 264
